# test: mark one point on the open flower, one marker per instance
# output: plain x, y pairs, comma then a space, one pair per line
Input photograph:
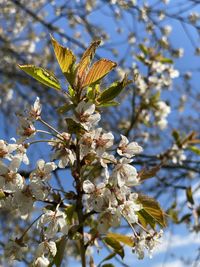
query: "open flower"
43, 171
6, 149
45, 249
63, 153
103, 141
10, 180
55, 221
85, 114
124, 173
98, 196
127, 149
129, 208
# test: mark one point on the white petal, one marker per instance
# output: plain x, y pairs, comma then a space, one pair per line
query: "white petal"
88, 187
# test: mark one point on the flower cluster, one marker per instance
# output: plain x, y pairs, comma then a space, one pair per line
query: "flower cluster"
146, 241
107, 179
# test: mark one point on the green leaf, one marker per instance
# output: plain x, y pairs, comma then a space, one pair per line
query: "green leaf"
42, 75
173, 214
65, 108
185, 218
61, 244
69, 211
99, 69
153, 209
2, 194
176, 136
71, 91
146, 219
144, 49
115, 245
126, 240
113, 91
194, 149
108, 104
189, 195
141, 59
165, 60
65, 57
92, 91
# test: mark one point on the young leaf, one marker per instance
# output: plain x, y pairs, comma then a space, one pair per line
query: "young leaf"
144, 49
176, 137
113, 91
69, 211
108, 104
145, 219
64, 56
115, 245
146, 174
152, 208
86, 59
189, 195
99, 69
163, 60
126, 240
42, 75
194, 149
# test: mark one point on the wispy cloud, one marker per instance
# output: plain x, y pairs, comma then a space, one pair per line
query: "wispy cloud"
172, 241
176, 263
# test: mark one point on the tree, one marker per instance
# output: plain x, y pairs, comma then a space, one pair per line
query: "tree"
142, 115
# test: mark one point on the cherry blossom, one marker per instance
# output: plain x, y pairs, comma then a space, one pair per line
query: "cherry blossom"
85, 114
128, 149
124, 173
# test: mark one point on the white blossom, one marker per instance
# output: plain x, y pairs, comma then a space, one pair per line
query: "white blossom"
24, 201
124, 173
85, 114
10, 181
147, 241
41, 261
56, 222
98, 196
46, 247
103, 141
63, 153
127, 149
25, 129
43, 171
6, 149
129, 208
36, 109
